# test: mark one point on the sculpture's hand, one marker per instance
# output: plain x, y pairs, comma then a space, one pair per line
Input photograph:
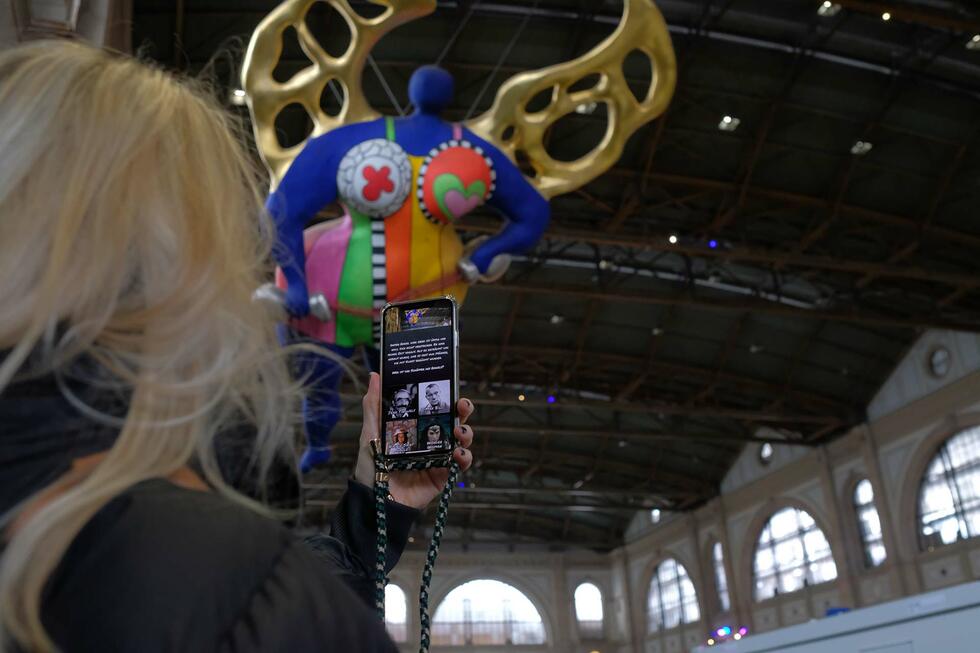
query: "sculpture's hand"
297, 300
471, 273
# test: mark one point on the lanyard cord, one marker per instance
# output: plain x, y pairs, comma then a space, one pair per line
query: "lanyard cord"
381, 469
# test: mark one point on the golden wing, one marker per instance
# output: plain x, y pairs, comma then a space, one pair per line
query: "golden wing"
267, 97
642, 28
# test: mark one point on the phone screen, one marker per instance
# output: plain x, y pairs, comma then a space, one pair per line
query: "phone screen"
418, 377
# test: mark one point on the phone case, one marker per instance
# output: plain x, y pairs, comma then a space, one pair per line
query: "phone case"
429, 456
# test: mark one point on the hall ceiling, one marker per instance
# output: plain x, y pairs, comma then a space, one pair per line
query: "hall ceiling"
801, 272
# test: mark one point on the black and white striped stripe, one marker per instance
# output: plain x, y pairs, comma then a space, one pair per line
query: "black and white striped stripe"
379, 274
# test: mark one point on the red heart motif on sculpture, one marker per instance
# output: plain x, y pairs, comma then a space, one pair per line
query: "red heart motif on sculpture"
459, 204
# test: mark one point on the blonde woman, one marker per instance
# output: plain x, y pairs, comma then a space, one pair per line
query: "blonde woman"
131, 239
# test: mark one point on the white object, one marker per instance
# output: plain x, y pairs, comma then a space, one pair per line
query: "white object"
944, 620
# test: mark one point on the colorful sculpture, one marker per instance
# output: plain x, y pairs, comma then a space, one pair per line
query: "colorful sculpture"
405, 181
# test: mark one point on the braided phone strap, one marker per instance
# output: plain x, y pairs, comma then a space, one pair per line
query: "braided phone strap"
381, 469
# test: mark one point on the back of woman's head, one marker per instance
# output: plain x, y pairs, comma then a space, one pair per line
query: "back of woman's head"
131, 234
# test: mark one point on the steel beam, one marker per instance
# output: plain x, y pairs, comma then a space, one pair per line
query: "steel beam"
911, 14
648, 365
741, 254
802, 200
863, 317
909, 248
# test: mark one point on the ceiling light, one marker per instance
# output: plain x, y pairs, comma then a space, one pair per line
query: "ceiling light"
765, 452
586, 108
828, 9
238, 96
411, 539
657, 331
551, 399
557, 319
886, 16
729, 124
655, 515
672, 239
973, 43
860, 148
521, 397
713, 244
622, 443
755, 349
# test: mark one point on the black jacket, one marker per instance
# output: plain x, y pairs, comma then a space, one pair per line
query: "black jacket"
162, 568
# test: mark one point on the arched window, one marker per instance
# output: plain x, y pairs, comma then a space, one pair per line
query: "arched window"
721, 578
588, 611
396, 612
792, 552
486, 613
870, 525
949, 499
672, 599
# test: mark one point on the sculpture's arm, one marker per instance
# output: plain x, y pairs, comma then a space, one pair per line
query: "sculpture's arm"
526, 212
309, 185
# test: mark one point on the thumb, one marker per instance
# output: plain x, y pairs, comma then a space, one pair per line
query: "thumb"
372, 409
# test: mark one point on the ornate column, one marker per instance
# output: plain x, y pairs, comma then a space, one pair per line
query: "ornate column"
846, 563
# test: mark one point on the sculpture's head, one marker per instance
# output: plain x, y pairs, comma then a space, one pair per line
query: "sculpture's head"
430, 89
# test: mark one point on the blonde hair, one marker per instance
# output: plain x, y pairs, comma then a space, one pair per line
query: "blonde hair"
132, 232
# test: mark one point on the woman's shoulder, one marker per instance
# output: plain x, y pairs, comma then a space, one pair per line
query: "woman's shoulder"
184, 570
157, 526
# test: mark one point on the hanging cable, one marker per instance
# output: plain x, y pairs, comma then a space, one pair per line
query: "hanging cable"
384, 84
502, 59
455, 35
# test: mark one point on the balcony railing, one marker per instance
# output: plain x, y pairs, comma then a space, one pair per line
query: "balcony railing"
488, 633
590, 629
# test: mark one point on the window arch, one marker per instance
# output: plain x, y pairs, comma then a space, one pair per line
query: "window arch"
869, 524
396, 613
949, 497
671, 600
588, 610
721, 578
486, 612
792, 552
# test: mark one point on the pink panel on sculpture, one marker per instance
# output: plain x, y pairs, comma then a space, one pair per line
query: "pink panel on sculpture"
325, 246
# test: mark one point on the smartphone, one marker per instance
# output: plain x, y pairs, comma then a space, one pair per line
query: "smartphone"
419, 378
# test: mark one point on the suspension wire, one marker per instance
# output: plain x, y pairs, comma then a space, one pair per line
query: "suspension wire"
455, 35
384, 84
502, 59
